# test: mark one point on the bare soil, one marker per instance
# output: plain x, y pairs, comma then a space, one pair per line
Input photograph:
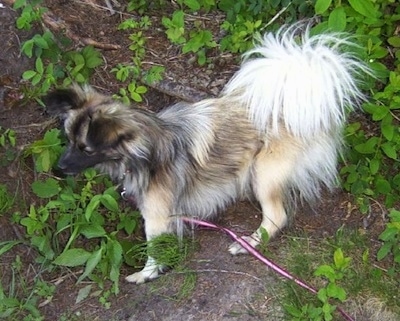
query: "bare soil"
226, 287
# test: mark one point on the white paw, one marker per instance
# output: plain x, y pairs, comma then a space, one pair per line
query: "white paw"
149, 272
142, 276
235, 248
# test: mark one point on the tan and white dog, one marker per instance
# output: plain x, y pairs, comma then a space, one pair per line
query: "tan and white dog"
275, 128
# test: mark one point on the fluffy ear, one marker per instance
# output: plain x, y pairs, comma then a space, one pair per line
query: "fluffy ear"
107, 131
60, 101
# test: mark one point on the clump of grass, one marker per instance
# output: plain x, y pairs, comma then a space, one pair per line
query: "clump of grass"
167, 249
170, 251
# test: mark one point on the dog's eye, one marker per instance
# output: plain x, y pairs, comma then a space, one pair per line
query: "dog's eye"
88, 151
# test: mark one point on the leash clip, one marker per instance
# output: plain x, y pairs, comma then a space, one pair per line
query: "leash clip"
123, 194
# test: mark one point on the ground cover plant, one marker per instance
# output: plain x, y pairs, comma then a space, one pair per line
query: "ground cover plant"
81, 224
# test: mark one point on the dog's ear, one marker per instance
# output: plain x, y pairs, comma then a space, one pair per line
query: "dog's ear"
60, 101
107, 131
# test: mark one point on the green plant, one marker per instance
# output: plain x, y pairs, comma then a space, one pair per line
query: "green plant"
332, 290
137, 5
175, 27
31, 13
46, 151
370, 171
54, 64
199, 41
6, 200
80, 64
391, 241
75, 211
134, 74
7, 146
72, 211
23, 306
246, 19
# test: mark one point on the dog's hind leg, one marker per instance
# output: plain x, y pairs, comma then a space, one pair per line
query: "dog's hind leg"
157, 220
272, 170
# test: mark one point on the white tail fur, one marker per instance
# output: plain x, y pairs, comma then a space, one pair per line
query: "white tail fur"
305, 86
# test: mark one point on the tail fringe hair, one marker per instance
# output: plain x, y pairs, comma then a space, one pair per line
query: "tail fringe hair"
307, 86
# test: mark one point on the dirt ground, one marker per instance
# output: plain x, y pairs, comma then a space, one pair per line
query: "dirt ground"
226, 287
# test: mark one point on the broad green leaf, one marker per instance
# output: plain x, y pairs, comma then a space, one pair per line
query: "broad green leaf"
380, 113
19, 4
41, 42
326, 271
387, 127
46, 189
321, 6
91, 263
114, 252
93, 204
28, 74
364, 7
388, 234
192, 4
109, 202
394, 215
178, 19
338, 258
36, 79
92, 231
369, 147
39, 66
390, 150
93, 62
383, 186
336, 292
322, 295
394, 41
136, 97
72, 257
83, 293
374, 165
128, 223
387, 131
141, 89
337, 19
384, 251
27, 48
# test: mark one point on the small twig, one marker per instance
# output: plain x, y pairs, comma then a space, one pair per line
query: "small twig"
42, 124
59, 25
182, 92
276, 16
97, 6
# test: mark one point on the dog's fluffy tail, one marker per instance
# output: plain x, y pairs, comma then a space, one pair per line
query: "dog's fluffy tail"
301, 82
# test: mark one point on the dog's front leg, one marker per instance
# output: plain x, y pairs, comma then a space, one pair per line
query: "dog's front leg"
157, 220
149, 272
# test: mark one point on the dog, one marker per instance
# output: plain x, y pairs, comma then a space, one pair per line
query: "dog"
275, 128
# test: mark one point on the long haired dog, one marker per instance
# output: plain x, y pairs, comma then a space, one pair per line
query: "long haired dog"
275, 127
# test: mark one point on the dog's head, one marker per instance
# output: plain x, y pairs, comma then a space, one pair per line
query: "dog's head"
94, 124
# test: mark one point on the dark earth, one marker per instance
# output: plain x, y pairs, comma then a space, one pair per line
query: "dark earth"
226, 287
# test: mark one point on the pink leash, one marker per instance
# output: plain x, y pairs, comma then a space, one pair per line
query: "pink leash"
253, 251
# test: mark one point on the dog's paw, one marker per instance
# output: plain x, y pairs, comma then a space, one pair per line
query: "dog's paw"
149, 272
142, 276
235, 248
